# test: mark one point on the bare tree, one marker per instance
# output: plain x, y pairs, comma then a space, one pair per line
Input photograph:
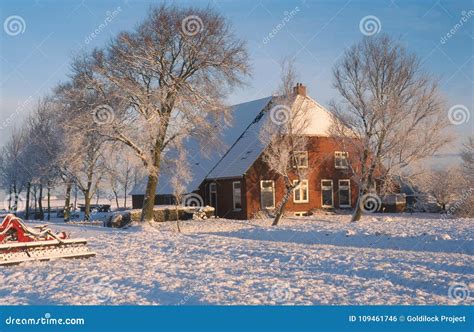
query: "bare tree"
170, 77
14, 172
391, 113
181, 176
283, 137
441, 184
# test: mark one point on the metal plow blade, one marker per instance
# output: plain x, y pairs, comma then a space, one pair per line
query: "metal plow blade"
16, 253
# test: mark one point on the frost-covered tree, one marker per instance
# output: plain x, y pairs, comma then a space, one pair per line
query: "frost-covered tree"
443, 185
14, 174
391, 113
167, 79
285, 138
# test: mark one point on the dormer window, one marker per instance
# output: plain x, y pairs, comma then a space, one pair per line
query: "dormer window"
340, 159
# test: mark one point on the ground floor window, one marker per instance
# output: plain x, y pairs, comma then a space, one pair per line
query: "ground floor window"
300, 194
237, 194
213, 194
327, 193
344, 193
267, 194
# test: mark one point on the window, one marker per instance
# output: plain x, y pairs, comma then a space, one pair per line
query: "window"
301, 214
300, 194
213, 194
340, 159
301, 159
267, 194
327, 194
237, 194
344, 193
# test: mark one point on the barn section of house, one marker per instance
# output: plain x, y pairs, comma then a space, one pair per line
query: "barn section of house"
239, 184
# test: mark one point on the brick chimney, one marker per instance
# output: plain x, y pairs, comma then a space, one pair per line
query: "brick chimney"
299, 89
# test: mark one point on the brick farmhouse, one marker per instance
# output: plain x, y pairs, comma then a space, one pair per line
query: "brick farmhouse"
238, 183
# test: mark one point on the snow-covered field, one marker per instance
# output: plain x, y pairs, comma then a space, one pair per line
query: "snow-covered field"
324, 259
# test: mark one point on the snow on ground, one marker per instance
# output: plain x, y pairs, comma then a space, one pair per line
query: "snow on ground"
323, 259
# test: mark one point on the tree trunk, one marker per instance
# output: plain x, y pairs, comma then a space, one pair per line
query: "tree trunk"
27, 206
35, 199
282, 205
40, 202
49, 202
149, 201
125, 198
67, 202
10, 198
15, 204
177, 216
75, 197
357, 214
87, 206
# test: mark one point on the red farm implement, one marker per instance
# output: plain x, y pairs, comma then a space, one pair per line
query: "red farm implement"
21, 243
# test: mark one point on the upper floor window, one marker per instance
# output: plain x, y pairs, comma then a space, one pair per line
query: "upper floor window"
301, 159
340, 159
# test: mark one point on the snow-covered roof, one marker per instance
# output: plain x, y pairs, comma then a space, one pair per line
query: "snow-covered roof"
248, 147
243, 144
200, 164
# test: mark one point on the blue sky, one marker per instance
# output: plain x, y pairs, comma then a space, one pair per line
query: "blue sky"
316, 33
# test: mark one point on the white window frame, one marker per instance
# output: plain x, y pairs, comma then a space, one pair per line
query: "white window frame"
261, 191
332, 194
348, 187
301, 192
340, 154
298, 153
233, 196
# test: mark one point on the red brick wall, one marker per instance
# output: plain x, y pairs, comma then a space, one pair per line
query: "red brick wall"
225, 208
321, 166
